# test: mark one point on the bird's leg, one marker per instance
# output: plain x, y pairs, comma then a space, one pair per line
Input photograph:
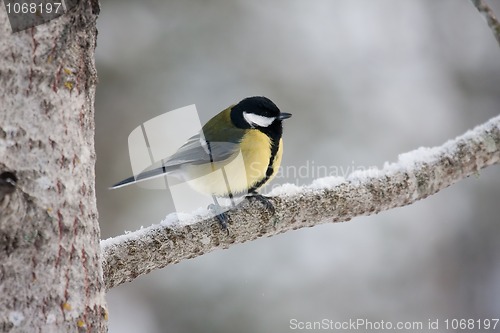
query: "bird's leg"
263, 200
219, 213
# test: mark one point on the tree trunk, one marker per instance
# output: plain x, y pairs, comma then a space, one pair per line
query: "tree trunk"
50, 261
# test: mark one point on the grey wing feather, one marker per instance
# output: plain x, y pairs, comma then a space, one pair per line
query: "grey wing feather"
195, 151
198, 151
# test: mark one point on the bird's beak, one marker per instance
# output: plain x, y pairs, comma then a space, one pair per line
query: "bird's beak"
284, 115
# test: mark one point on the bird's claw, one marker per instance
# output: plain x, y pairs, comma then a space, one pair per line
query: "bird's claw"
220, 215
263, 200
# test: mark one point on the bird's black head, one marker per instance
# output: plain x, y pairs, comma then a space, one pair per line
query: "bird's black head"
260, 113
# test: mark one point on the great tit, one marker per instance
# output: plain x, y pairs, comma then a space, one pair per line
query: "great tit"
251, 129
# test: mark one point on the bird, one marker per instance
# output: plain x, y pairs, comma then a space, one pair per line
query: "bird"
251, 129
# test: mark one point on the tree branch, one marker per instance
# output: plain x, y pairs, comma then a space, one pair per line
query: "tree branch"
487, 12
415, 176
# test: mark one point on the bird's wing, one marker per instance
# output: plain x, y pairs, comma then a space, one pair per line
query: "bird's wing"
195, 151
211, 144
198, 150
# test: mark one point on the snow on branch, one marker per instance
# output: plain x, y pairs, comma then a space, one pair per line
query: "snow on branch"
487, 12
414, 176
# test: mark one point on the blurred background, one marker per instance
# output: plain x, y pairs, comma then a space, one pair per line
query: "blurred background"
365, 80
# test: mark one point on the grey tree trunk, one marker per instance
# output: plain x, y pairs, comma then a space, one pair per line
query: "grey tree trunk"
50, 262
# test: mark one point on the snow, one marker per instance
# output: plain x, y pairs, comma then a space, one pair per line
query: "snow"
360, 176
171, 220
417, 156
128, 236
181, 218
326, 182
286, 190
426, 155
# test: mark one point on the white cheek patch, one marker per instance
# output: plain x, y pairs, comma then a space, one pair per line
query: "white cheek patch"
255, 119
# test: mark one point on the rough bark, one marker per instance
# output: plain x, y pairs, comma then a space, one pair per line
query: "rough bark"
415, 176
50, 263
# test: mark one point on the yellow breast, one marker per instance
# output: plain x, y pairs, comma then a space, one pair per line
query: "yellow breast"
242, 171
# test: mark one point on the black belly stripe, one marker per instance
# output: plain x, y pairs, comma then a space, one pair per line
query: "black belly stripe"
275, 142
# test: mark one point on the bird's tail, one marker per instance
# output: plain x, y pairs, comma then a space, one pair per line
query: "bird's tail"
145, 175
